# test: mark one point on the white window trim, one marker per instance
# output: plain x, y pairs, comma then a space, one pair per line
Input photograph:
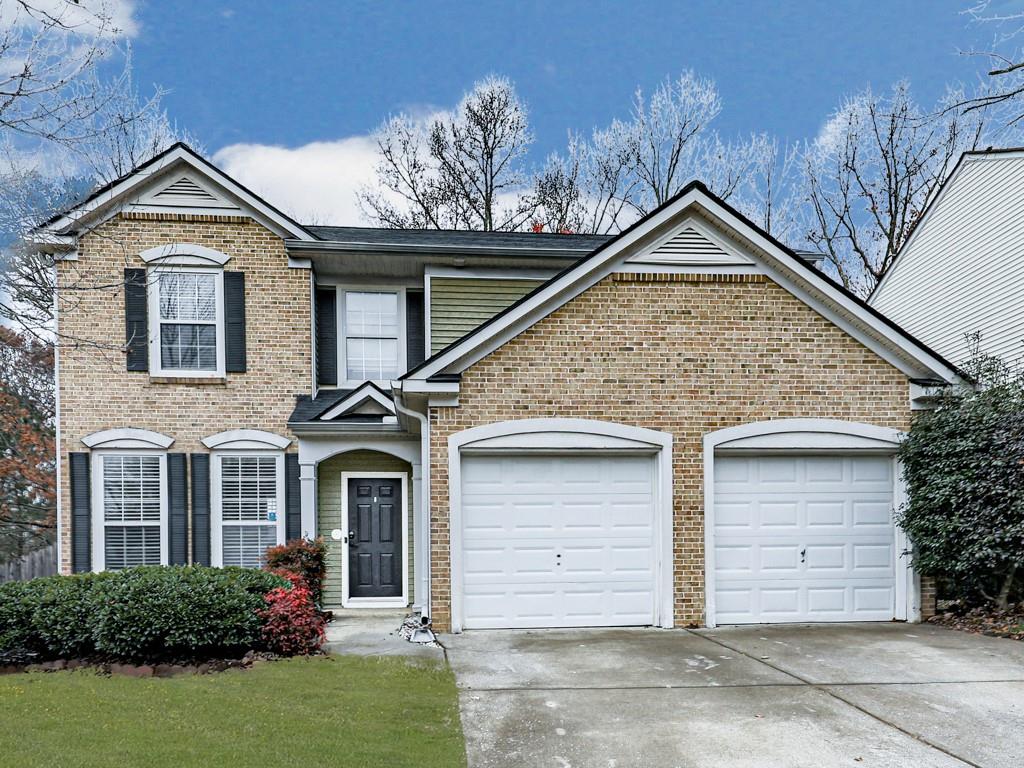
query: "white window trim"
343, 381
153, 307
802, 435
246, 439
98, 523
184, 254
216, 513
127, 437
375, 602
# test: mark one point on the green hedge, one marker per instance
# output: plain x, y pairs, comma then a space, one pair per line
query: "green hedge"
140, 614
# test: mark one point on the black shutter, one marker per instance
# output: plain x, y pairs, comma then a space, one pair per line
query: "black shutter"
81, 525
177, 509
292, 497
201, 508
327, 336
414, 329
136, 327
234, 321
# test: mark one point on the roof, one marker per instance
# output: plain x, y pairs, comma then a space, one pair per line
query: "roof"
314, 408
175, 155
555, 292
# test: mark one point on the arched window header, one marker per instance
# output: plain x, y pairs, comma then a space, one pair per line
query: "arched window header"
246, 439
184, 254
127, 437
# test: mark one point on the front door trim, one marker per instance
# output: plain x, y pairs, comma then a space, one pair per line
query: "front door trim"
566, 436
375, 602
809, 435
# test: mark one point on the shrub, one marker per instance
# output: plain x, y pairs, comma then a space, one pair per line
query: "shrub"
140, 614
292, 625
306, 558
964, 467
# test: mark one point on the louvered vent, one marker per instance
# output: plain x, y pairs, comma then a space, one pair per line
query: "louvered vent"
690, 243
184, 189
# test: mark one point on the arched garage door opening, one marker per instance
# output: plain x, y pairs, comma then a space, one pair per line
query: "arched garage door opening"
560, 523
799, 524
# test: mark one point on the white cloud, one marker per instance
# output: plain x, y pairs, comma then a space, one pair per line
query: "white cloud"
315, 183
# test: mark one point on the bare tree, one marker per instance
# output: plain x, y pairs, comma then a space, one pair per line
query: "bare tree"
871, 172
1005, 89
462, 169
628, 169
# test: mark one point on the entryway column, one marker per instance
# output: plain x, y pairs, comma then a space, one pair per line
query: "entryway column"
307, 488
421, 549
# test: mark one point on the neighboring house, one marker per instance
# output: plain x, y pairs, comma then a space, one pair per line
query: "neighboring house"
683, 424
959, 273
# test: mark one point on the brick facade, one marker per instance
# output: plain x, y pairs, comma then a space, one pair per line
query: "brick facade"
686, 354
96, 390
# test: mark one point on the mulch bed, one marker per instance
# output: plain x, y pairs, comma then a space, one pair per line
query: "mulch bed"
986, 621
164, 669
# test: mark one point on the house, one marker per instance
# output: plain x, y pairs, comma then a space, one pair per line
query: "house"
683, 424
958, 275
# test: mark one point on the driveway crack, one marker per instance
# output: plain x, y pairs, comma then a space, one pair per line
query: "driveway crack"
823, 687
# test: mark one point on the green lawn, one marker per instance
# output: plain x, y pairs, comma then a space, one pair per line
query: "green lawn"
326, 711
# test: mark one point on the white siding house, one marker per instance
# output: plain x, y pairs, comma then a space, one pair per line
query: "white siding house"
962, 270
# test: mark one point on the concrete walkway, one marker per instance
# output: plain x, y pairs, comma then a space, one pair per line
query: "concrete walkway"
787, 696
375, 633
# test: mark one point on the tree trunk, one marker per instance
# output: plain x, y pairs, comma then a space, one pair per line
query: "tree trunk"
1003, 599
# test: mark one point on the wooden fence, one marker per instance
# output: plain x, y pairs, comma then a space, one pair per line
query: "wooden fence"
41, 562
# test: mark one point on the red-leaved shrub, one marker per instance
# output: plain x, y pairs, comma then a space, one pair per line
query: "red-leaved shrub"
306, 558
292, 625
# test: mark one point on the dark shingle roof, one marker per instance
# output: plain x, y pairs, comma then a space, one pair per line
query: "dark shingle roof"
308, 408
403, 238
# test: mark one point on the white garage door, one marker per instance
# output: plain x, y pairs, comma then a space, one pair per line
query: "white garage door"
557, 541
804, 538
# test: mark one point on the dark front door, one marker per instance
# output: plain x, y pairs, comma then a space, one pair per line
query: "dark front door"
374, 537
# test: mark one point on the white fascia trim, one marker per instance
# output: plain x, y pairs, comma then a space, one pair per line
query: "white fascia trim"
365, 392
422, 387
246, 440
589, 435
490, 274
188, 254
777, 436
590, 271
175, 156
127, 437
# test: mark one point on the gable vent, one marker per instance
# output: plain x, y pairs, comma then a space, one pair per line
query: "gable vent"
690, 247
184, 189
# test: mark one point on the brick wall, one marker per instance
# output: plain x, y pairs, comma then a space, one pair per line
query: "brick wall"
683, 354
96, 390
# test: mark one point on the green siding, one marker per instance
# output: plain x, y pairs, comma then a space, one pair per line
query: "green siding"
329, 510
460, 304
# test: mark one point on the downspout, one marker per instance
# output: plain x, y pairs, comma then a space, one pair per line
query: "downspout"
56, 412
423, 548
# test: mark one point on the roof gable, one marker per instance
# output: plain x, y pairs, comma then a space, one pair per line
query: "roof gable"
748, 247
176, 180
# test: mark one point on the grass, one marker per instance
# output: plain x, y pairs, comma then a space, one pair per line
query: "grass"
324, 711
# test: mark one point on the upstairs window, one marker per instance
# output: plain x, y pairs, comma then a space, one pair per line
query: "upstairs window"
188, 337
373, 337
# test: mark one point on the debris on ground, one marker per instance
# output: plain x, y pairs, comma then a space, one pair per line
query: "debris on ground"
985, 621
416, 630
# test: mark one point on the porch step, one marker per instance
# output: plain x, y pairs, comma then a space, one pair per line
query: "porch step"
374, 632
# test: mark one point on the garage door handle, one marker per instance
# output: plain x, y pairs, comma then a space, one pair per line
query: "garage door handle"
803, 555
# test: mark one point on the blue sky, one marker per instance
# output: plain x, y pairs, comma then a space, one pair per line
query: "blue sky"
253, 79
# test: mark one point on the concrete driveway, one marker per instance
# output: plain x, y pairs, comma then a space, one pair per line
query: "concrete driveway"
816, 696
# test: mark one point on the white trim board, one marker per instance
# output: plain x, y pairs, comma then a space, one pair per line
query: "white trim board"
375, 602
187, 254
790, 435
567, 436
791, 272
127, 438
367, 391
246, 440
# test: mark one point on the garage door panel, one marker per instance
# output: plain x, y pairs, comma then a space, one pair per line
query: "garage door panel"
575, 548
804, 538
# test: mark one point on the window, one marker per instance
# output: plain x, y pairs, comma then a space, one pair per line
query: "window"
132, 510
249, 506
187, 310
372, 335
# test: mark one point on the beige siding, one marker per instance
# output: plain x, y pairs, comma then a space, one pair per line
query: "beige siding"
960, 272
460, 304
329, 510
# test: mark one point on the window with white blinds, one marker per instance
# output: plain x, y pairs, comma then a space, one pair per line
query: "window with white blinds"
372, 335
132, 510
188, 321
249, 514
